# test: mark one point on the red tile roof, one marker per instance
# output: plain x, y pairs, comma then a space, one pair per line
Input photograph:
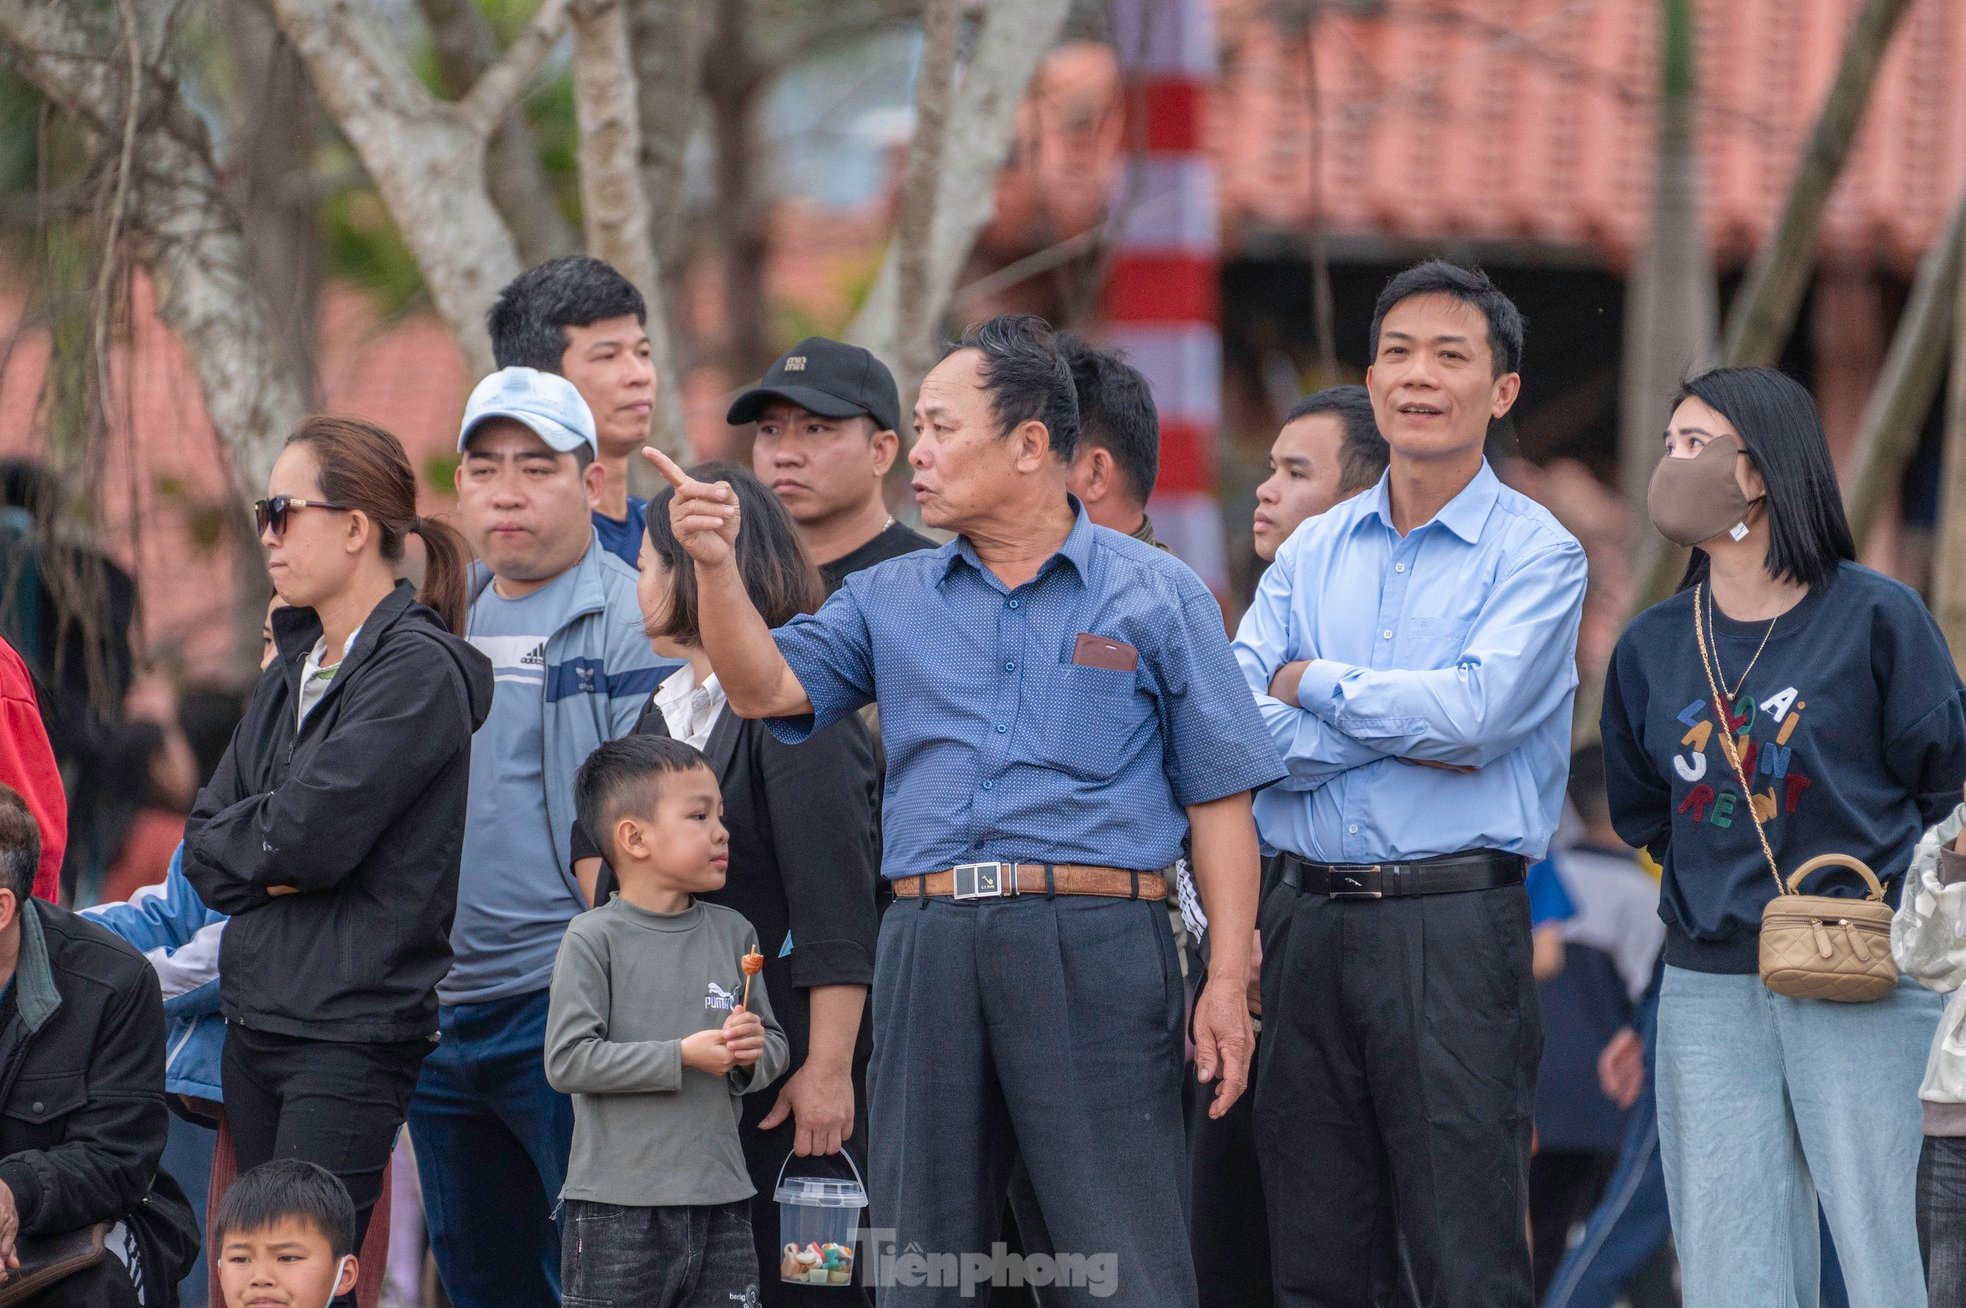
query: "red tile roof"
1531, 120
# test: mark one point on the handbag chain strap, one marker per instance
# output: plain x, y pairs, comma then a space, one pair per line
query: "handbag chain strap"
1724, 725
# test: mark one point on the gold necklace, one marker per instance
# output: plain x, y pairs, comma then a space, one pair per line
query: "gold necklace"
1714, 641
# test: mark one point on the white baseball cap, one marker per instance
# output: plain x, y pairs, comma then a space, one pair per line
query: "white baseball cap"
547, 404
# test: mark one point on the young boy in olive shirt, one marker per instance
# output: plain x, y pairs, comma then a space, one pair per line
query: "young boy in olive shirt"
649, 1031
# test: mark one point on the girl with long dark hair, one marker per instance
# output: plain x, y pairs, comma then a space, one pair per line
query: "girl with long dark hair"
331, 830
1830, 689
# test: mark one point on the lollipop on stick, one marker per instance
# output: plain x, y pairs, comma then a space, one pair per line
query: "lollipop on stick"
752, 963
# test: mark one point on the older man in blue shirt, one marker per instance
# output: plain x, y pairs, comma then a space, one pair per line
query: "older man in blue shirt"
1060, 707
1412, 652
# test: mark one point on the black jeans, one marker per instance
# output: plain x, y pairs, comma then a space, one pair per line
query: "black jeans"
1942, 1217
1395, 1081
336, 1103
613, 1256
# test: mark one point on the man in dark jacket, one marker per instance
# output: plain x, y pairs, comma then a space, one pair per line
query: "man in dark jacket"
82, 1115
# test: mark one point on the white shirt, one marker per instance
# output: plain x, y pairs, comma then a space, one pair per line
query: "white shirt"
315, 679
689, 710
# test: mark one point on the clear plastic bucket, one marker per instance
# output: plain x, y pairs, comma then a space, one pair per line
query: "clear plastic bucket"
817, 1217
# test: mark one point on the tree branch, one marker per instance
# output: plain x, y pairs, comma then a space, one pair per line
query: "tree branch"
425, 157
1015, 37
485, 105
1908, 382
465, 47
611, 193
185, 234
915, 230
1764, 310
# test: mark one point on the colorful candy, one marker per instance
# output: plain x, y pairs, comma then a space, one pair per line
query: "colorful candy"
817, 1264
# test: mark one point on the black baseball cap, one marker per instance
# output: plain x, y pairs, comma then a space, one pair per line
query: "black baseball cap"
829, 378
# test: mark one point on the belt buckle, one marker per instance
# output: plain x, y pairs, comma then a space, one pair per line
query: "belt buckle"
1356, 883
983, 881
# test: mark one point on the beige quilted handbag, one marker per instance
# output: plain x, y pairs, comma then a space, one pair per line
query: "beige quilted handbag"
1812, 946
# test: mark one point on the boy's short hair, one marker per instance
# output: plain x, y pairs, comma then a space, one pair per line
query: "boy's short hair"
288, 1189
624, 777
20, 845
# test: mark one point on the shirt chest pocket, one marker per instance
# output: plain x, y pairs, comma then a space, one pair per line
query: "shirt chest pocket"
1093, 720
39, 1103
1435, 642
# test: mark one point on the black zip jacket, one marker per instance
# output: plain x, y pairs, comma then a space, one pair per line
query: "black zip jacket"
362, 812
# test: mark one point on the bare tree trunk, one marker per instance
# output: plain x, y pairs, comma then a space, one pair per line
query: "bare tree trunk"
426, 156
185, 233
1669, 303
1015, 36
1670, 312
732, 82
274, 183
1949, 589
1764, 312
667, 39
612, 199
465, 47
916, 318
1908, 382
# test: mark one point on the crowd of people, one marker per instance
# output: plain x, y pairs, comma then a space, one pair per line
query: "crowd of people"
662, 864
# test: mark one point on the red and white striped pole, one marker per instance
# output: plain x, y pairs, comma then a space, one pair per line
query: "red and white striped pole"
1163, 299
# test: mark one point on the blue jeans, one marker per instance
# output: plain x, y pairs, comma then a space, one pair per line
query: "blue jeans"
1768, 1105
492, 1139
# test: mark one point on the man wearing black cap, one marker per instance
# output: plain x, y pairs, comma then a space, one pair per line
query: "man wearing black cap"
828, 417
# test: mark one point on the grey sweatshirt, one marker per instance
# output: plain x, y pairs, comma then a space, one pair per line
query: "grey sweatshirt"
628, 986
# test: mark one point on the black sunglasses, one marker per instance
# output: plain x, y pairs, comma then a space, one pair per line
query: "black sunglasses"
273, 513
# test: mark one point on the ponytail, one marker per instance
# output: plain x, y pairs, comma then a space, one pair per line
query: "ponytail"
361, 466
445, 561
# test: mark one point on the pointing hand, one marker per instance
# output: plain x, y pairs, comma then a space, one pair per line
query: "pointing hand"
702, 514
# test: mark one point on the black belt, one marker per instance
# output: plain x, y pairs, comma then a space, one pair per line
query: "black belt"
1449, 874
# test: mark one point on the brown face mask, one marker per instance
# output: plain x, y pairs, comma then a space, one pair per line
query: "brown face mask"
1696, 499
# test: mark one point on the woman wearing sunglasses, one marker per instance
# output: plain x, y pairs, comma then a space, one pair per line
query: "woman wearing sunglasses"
1843, 713
331, 830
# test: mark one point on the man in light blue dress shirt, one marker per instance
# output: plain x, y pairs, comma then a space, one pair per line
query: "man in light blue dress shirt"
1060, 707
1412, 652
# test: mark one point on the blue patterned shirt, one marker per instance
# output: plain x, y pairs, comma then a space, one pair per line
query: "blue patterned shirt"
1456, 643
999, 746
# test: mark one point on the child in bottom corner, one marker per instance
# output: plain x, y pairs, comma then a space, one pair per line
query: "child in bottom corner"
649, 1030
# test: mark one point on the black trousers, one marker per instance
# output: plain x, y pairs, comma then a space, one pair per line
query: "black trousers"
1564, 1187
1229, 1226
330, 1102
1395, 1083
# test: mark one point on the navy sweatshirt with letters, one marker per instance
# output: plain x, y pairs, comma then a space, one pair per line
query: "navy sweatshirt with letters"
1853, 731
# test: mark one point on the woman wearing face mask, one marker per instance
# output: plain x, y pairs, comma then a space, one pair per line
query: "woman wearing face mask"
331, 830
1840, 690
803, 861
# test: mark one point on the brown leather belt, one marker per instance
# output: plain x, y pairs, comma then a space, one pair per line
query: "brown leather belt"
969, 881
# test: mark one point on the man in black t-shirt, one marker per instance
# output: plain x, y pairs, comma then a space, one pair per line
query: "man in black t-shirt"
828, 418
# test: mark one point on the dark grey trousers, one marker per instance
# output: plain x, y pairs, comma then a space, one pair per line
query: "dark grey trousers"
1053, 1026
1394, 1091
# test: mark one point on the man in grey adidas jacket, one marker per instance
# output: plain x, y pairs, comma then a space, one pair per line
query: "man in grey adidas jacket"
556, 614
